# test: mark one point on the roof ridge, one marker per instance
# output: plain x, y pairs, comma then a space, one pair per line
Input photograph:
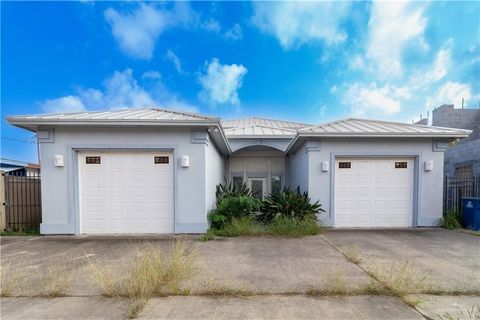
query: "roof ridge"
268, 119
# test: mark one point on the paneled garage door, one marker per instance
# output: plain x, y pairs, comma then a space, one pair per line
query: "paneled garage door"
125, 192
373, 192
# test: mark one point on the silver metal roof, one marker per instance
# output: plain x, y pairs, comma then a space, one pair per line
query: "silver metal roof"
353, 127
253, 127
150, 114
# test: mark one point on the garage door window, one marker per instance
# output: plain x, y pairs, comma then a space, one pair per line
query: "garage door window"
92, 160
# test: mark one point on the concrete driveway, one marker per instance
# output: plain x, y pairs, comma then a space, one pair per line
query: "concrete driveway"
280, 273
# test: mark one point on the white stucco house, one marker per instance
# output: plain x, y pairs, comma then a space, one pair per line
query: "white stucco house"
155, 171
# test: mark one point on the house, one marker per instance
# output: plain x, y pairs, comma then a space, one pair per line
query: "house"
155, 171
19, 168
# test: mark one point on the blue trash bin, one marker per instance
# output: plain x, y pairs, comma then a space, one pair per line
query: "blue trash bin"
471, 213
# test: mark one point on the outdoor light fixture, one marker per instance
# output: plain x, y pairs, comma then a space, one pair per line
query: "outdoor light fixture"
429, 165
59, 161
185, 162
325, 166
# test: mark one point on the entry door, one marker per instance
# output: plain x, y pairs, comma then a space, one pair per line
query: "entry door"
258, 186
374, 192
127, 192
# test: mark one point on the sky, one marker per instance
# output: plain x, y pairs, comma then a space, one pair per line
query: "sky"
301, 61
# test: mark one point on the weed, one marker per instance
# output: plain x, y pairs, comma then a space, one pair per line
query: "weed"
400, 279
19, 232
212, 288
210, 235
136, 306
373, 289
472, 313
56, 282
9, 281
292, 227
452, 220
244, 226
152, 273
411, 301
352, 254
335, 284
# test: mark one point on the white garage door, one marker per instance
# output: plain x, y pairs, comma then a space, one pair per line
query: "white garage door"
373, 192
126, 192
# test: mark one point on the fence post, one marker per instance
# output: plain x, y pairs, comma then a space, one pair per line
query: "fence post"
3, 218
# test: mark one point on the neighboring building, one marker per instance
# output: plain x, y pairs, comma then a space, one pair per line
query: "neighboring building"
463, 156
155, 171
19, 168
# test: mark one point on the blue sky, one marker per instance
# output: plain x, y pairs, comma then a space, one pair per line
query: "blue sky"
302, 61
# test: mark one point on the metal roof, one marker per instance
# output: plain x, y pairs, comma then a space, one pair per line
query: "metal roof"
252, 127
354, 127
147, 114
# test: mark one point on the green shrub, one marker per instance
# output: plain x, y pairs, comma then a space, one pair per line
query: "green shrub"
293, 227
231, 190
233, 207
290, 204
452, 220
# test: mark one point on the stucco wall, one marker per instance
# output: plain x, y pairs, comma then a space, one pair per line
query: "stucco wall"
214, 174
320, 183
60, 212
297, 169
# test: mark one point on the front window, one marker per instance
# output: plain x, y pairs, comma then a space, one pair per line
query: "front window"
276, 184
237, 182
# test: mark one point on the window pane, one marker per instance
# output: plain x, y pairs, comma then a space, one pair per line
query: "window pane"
276, 184
237, 182
257, 188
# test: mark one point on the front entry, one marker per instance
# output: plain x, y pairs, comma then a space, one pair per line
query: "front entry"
258, 186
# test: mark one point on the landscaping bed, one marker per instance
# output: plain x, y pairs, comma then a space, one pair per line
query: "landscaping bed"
288, 213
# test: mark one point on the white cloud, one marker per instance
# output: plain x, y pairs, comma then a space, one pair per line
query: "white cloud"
212, 25
171, 56
234, 33
450, 93
373, 100
392, 26
296, 23
63, 104
136, 32
121, 90
152, 74
357, 63
437, 71
220, 83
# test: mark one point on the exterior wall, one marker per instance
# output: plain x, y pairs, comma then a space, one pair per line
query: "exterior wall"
463, 154
297, 169
214, 174
59, 184
448, 116
429, 189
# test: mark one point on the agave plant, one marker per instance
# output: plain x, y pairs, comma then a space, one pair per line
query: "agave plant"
290, 204
231, 190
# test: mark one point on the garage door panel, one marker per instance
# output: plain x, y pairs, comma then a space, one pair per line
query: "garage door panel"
127, 193
381, 193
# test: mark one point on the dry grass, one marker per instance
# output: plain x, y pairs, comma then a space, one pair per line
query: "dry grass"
213, 288
53, 281
472, 313
411, 301
153, 272
335, 283
352, 254
9, 281
400, 279
136, 306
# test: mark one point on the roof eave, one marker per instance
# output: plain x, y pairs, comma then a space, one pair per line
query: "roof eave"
386, 135
260, 136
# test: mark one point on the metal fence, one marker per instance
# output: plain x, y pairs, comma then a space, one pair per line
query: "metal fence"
23, 203
455, 188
